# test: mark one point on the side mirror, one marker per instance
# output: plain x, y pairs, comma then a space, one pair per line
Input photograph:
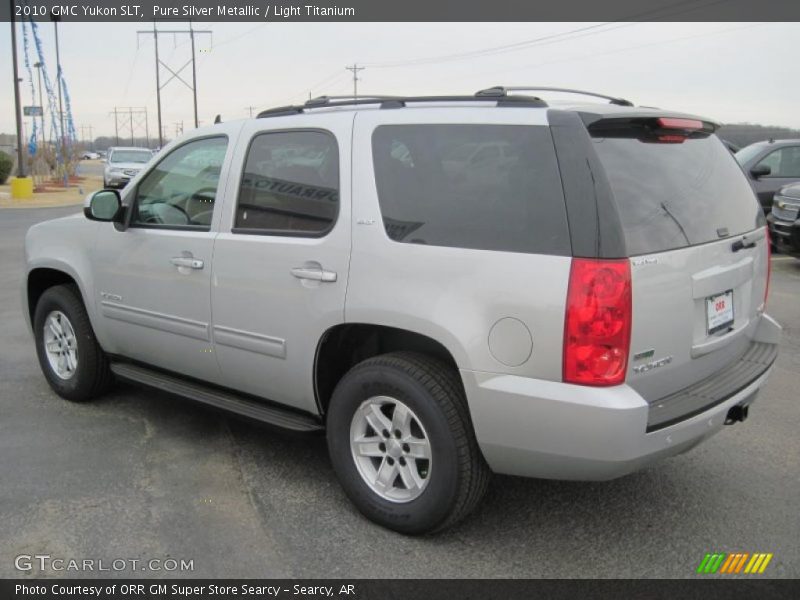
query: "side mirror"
760, 170
104, 205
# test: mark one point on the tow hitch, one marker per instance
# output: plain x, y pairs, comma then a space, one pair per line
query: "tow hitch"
735, 414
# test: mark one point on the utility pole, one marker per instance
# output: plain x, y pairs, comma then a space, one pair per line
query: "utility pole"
17, 102
116, 128
137, 122
158, 85
250, 109
355, 69
194, 74
176, 73
84, 138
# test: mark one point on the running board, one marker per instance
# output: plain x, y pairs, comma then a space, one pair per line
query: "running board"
274, 415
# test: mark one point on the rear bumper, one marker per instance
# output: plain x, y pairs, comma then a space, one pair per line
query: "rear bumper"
552, 430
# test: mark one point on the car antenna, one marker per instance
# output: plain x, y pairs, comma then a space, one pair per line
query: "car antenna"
217, 119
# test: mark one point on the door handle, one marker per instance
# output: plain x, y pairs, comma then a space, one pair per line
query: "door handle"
186, 261
314, 274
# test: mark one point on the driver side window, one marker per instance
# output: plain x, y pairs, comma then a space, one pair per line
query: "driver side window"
180, 191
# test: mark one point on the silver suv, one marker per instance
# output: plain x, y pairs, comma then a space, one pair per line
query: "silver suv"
446, 286
123, 164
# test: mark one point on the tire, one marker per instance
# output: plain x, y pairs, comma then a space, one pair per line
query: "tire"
91, 375
449, 485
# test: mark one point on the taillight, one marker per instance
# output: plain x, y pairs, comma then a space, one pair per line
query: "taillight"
597, 327
769, 268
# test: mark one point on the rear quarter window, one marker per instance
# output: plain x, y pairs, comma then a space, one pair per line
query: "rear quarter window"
674, 195
485, 187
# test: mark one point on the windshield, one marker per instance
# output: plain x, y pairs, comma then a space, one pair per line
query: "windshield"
745, 154
676, 195
130, 156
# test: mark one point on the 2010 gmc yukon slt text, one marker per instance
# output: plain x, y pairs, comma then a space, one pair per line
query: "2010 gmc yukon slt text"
446, 286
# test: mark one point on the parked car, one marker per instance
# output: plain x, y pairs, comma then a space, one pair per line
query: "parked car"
770, 165
123, 164
784, 220
102, 154
89, 155
576, 312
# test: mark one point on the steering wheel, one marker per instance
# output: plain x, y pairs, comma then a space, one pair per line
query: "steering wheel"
200, 205
166, 214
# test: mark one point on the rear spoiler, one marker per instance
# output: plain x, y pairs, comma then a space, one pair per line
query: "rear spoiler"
652, 128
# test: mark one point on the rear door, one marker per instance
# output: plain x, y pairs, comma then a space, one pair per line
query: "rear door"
696, 238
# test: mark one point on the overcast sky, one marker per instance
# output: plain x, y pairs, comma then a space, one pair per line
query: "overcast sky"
732, 72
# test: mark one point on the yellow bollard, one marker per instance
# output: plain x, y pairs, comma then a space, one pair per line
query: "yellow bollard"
21, 188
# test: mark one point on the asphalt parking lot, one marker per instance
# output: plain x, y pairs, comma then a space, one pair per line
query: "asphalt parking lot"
139, 474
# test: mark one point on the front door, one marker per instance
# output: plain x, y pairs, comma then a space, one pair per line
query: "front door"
281, 259
154, 278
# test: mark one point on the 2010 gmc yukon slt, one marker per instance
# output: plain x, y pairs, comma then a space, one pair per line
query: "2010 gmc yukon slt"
447, 286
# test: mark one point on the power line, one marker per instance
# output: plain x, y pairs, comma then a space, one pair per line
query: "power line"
617, 50
629, 21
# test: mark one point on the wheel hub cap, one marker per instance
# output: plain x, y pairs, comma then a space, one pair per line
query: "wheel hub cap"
391, 449
60, 345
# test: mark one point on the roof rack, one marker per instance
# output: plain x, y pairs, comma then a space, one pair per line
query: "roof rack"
502, 92
396, 102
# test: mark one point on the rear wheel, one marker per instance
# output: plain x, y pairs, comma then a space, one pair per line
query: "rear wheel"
71, 359
402, 443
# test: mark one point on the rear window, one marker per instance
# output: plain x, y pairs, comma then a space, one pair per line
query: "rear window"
676, 195
487, 187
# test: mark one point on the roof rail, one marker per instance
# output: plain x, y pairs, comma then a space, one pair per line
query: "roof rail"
396, 102
502, 92
325, 100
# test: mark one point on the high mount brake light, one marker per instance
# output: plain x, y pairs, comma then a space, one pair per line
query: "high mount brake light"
683, 124
597, 327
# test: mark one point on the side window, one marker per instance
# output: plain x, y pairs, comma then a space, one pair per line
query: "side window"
180, 191
487, 187
784, 162
290, 184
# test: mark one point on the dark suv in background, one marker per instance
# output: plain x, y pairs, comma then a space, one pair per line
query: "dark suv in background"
784, 224
769, 166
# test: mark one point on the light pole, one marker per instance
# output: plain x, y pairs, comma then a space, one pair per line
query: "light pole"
59, 79
39, 66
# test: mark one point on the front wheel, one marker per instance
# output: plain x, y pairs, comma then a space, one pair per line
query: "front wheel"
402, 444
71, 359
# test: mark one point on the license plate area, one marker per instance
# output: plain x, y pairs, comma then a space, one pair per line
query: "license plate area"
719, 312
